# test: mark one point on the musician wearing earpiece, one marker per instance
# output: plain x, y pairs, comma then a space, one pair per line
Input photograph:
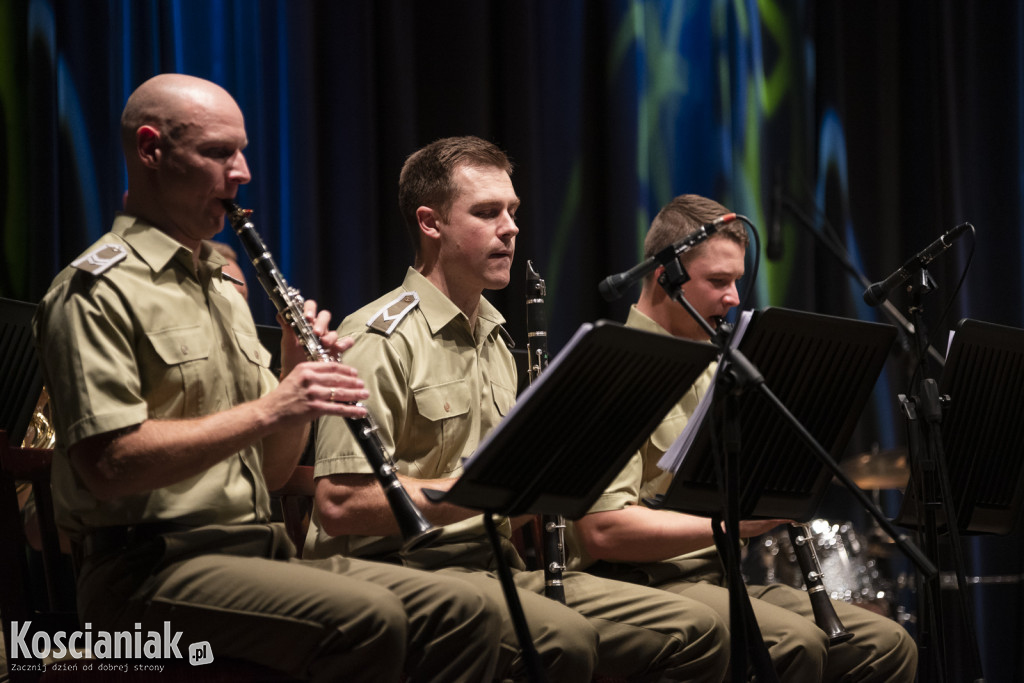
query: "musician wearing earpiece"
622, 538
172, 430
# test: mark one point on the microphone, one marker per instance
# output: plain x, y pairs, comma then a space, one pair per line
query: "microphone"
773, 248
613, 286
879, 291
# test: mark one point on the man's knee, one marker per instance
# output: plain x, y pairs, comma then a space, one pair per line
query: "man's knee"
904, 646
703, 620
701, 649
464, 604
798, 648
567, 646
897, 657
366, 617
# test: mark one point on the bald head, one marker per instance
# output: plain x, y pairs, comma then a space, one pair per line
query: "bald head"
169, 103
183, 139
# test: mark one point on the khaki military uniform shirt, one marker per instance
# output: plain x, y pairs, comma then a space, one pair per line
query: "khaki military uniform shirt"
437, 388
641, 478
149, 338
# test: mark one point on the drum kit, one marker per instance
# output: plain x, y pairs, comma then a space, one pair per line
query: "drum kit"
856, 565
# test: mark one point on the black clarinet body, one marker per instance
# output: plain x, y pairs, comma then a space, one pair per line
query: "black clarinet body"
824, 613
415, 529
553, 533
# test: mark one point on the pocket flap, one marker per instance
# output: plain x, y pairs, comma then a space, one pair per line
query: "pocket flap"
252, 349
504, 398
180, 345
443, 400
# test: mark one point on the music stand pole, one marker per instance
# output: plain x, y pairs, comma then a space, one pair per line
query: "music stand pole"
726, 531
735, 377
931, 480
515, 606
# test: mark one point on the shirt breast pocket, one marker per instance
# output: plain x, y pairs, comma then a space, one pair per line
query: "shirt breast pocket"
504, 398
178, 388
257, 361
252, 349
444, 412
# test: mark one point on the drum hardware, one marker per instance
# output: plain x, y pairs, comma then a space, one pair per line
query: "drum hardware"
947, 580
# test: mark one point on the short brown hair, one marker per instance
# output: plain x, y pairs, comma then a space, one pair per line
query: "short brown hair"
684, 216
427, 175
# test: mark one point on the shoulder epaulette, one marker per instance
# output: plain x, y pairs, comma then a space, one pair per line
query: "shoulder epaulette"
232, 279
101, 259
386, 319
509, 341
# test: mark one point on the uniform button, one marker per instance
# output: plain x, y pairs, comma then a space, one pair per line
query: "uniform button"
184, 349
447, 408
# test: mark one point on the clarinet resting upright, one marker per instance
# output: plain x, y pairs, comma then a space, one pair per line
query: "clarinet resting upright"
553, 533
810, 569
416, 530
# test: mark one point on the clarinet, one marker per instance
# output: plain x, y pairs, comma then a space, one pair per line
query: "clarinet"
553, 533
824, 613
416, 530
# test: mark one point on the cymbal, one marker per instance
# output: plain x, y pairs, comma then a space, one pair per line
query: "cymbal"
886, 469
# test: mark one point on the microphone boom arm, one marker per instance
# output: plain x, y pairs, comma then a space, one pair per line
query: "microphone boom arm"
841, 255
614, 286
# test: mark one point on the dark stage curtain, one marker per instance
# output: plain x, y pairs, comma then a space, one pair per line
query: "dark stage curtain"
880, 123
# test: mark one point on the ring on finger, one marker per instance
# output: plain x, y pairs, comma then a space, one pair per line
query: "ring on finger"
331, 399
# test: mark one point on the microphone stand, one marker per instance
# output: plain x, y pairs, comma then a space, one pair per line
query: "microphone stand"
923, 413
736, 376
905, 327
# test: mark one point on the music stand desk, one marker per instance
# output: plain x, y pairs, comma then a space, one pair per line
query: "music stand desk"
573, 429
19, 367
982, 430
823, 369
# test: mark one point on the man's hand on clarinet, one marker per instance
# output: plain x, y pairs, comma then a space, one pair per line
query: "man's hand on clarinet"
310, 389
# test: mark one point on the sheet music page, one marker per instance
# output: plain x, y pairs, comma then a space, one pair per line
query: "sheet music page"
674, 456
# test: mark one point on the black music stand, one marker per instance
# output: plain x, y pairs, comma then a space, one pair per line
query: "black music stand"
823, 369
19, 368
982, 430
966, 476
572, 430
